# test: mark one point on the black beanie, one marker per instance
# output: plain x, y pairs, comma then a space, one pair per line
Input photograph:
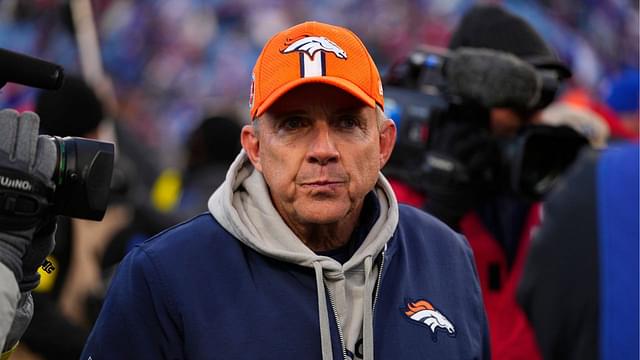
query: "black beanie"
73, 110
492, 27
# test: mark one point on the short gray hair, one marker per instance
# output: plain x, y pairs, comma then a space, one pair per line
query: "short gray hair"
380, 116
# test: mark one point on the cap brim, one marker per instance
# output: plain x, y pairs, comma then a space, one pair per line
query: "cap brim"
340, 83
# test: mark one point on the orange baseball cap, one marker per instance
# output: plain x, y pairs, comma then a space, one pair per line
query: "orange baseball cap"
314, 52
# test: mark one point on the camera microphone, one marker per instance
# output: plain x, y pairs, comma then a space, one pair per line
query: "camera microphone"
492, 78
30, 71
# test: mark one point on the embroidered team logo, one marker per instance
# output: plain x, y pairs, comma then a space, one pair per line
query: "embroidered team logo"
427, 315
309, 47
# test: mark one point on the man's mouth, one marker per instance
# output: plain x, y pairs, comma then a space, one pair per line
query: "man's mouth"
323, 184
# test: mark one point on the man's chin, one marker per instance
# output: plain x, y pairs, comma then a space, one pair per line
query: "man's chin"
323, 214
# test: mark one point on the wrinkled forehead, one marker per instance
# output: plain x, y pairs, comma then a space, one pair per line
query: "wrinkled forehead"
318, 96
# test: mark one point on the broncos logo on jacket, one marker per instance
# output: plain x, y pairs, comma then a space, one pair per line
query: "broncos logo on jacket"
426, 314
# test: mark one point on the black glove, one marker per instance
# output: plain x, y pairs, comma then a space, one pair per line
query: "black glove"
461, 163
27, 163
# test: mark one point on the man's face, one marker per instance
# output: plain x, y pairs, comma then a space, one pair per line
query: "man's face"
320, 150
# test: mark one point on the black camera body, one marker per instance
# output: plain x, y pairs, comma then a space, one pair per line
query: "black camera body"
83, 169
420, 96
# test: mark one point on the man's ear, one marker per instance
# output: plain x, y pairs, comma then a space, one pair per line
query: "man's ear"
387, 140
251, 145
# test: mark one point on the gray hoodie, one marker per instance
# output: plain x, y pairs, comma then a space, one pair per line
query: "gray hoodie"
243, 207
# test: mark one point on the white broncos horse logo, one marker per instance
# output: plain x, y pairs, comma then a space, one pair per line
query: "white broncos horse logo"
423, 312
310, 45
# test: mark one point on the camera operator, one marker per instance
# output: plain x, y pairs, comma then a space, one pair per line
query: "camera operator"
69, 298
41, 176
28, 163
469, 186
56, 330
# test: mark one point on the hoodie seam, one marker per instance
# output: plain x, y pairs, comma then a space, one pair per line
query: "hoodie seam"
160, 277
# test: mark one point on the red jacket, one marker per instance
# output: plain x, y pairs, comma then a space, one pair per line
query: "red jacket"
512, 337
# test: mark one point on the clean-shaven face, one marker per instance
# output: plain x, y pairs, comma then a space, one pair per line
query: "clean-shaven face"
320, 150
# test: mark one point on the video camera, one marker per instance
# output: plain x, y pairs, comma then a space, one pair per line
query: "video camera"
83, 168
434, 85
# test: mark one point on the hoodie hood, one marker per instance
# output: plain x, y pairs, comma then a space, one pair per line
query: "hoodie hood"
242, 205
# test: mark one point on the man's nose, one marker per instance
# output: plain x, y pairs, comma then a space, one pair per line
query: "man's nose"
322, 149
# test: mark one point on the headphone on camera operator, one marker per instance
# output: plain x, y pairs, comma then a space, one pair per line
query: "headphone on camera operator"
40, 177
450, 145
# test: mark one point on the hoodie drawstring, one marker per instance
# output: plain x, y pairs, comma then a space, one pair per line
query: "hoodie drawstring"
323, 313
367, 321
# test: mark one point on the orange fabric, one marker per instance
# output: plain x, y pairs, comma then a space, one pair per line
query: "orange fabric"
417, 306
314, 52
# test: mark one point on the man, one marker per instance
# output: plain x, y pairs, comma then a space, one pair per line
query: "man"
305, 254
579, 286
484, 204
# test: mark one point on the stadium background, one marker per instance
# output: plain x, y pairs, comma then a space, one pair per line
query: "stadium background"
172, 62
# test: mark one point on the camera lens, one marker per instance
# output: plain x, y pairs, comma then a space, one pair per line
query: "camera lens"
82, 177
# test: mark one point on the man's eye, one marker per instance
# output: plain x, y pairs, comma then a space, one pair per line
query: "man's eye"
292, 123
348, 121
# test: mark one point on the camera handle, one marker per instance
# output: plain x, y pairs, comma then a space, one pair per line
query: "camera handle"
24, 200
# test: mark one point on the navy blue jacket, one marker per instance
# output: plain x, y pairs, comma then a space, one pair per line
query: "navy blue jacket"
195, 292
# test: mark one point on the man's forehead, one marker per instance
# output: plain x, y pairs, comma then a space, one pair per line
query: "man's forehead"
309, 96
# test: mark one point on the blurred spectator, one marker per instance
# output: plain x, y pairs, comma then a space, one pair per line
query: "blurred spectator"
622, 94
212, 147
74, 110
585, 121
580, 284
581, 98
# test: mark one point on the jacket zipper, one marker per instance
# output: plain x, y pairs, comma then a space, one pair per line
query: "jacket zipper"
375, 298
335, 314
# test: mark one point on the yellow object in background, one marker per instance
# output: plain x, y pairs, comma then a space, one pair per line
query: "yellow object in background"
167, 190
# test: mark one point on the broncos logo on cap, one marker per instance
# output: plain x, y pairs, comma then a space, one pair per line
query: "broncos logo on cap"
310, 45
426, 314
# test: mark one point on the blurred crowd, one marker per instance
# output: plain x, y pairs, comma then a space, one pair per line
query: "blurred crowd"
178, 76
174, 61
